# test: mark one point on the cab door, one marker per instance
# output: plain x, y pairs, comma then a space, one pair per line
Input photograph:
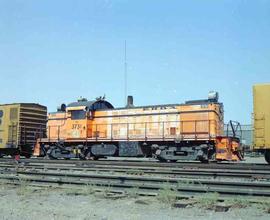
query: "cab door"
89, 125
77, 123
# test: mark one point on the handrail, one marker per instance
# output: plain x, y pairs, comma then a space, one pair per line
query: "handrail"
189, 129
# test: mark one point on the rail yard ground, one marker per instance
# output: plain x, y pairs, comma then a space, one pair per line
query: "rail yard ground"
24, 195
33, 203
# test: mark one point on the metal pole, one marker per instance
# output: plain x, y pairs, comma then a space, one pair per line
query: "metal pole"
195, 130
127, 131
24, 133
163, 134
145, 128
181, 129
49, 131
12, 134
58, 132
111, 131
125, 75
40, 131
96, 133
209, 124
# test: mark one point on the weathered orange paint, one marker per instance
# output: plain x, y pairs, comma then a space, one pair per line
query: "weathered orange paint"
170, 122
227, 148
180, 122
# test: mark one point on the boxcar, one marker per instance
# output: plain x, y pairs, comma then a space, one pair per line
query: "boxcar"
20, 125
261, 105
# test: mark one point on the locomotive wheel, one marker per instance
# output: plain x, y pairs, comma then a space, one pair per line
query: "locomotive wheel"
95, 158
82, 156
87, 154
52, 157
267, 156
204, 161
162, 160
27, 156
50, 154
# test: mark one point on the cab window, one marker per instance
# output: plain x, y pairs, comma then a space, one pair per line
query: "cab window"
77, 114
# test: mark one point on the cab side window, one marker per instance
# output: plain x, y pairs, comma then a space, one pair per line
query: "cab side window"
77, 114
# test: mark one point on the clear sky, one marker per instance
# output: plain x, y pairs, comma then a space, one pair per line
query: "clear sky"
52, 52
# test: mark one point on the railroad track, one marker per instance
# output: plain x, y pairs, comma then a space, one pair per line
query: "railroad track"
144, 178
127, 163
155, 171
142, 183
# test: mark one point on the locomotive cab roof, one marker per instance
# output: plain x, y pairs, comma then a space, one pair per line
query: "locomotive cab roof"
90, 105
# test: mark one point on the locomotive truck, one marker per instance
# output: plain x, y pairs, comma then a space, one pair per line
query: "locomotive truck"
95, 129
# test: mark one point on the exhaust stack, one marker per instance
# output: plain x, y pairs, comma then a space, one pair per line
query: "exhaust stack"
129, 102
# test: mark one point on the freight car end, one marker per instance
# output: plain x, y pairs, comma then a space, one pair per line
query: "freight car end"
20, 125
261, 109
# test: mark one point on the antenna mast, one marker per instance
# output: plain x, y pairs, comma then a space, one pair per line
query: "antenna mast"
125, 75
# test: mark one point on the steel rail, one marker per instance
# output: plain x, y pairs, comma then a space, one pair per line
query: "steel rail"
245, 166
246, 174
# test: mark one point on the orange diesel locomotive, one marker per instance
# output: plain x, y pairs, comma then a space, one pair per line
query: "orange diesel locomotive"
95, 129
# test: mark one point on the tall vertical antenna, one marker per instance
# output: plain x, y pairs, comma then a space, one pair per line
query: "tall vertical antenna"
125, 75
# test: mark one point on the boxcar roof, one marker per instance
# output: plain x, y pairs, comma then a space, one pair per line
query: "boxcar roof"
23, 103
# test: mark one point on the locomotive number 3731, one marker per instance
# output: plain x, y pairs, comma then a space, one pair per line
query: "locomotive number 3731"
76, 126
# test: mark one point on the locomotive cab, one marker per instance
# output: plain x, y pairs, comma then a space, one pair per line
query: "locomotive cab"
77, 122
